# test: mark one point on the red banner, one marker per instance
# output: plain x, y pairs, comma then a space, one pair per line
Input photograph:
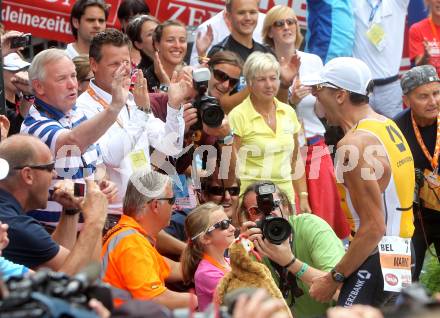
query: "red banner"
48, 19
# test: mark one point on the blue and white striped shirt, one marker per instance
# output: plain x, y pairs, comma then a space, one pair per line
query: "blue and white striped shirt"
47, 123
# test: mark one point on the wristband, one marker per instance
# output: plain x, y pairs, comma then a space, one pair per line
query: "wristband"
290, 263
302, 271
228, 140
71, 211
304, 194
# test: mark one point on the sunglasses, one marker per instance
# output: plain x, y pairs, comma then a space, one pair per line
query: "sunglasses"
280, 23
222, 225
49, 167
171, 200
223, 77
234, 191
318, 87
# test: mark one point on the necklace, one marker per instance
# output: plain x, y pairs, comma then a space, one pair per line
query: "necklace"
267, 116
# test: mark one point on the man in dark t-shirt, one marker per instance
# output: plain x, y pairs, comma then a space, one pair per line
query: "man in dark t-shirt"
421, 89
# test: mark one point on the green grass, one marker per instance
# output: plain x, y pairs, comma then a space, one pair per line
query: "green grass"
430, 276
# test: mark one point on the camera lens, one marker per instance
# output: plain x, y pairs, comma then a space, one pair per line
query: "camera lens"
276, 229
212, 115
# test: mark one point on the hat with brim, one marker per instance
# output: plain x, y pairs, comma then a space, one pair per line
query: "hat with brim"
13, 62
347, 73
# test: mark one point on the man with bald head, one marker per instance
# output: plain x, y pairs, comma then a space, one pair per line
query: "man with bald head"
24, 188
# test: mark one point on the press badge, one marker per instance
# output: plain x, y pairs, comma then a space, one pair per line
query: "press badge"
395, 261
376, 35
138, 160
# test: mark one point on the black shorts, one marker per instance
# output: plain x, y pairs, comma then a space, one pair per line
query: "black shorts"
365, 285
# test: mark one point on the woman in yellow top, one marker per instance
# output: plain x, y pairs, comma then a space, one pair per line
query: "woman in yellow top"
265, 132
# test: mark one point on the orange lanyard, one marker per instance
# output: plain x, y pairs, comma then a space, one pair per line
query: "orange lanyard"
434, 30
213, 262
432, 159
103, 103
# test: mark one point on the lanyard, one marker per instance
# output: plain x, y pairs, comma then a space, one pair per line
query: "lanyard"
433, 29
103, 103
373, 10
432, 159
213, 262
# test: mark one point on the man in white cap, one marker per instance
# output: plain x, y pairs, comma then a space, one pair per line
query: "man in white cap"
18, 93
375, 165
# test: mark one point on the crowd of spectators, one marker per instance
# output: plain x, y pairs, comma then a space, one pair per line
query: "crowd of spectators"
151, 155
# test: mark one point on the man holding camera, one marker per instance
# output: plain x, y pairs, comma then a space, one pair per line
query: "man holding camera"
299, 247
24, 188
419, 125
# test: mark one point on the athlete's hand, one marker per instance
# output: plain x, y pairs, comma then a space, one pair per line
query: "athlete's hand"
323, 288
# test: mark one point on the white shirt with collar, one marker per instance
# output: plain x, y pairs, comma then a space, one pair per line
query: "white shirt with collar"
133, 132
391, 15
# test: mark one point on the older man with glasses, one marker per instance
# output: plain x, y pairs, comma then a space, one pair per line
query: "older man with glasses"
130, 261
27, 170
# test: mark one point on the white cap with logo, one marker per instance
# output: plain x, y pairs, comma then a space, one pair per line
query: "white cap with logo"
347, 73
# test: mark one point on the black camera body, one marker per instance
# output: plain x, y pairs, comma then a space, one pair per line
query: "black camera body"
209, 111
24, 40
275, 229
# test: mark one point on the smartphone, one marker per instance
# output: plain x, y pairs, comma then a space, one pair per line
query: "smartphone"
79, 189
24, 40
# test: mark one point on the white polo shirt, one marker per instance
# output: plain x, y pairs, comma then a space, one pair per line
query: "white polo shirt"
391, 16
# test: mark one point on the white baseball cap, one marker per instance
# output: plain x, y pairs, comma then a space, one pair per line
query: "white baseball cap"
13, 62
4, 168
348, 73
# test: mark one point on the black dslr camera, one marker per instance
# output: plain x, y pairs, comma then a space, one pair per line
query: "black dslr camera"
275, 229
209, 110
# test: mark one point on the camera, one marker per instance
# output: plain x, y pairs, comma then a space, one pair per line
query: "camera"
275, 229
54, 294
21, 41
208, 108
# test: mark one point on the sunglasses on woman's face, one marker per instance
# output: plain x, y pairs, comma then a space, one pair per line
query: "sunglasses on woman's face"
280, 23
222, 225
223, 77
234, 191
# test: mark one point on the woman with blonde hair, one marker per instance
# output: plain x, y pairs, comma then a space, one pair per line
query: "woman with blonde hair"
267, 131
209, 233
282, 33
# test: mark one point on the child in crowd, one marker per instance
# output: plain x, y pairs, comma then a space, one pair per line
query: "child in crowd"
209, 233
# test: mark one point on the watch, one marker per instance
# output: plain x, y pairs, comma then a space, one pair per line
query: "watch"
337, 277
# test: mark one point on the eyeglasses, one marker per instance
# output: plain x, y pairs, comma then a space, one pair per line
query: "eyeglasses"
49, 167
280, 23
318, 87
171, 200
223, 77
234, 191
222, 225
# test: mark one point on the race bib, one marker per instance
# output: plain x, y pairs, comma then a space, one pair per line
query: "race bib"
395, 260
376, 35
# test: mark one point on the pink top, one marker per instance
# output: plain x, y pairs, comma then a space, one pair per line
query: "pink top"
206, 279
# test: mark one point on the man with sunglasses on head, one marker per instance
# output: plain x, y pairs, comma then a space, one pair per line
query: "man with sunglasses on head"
130, 261
27, 170
312, 250
375, 165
